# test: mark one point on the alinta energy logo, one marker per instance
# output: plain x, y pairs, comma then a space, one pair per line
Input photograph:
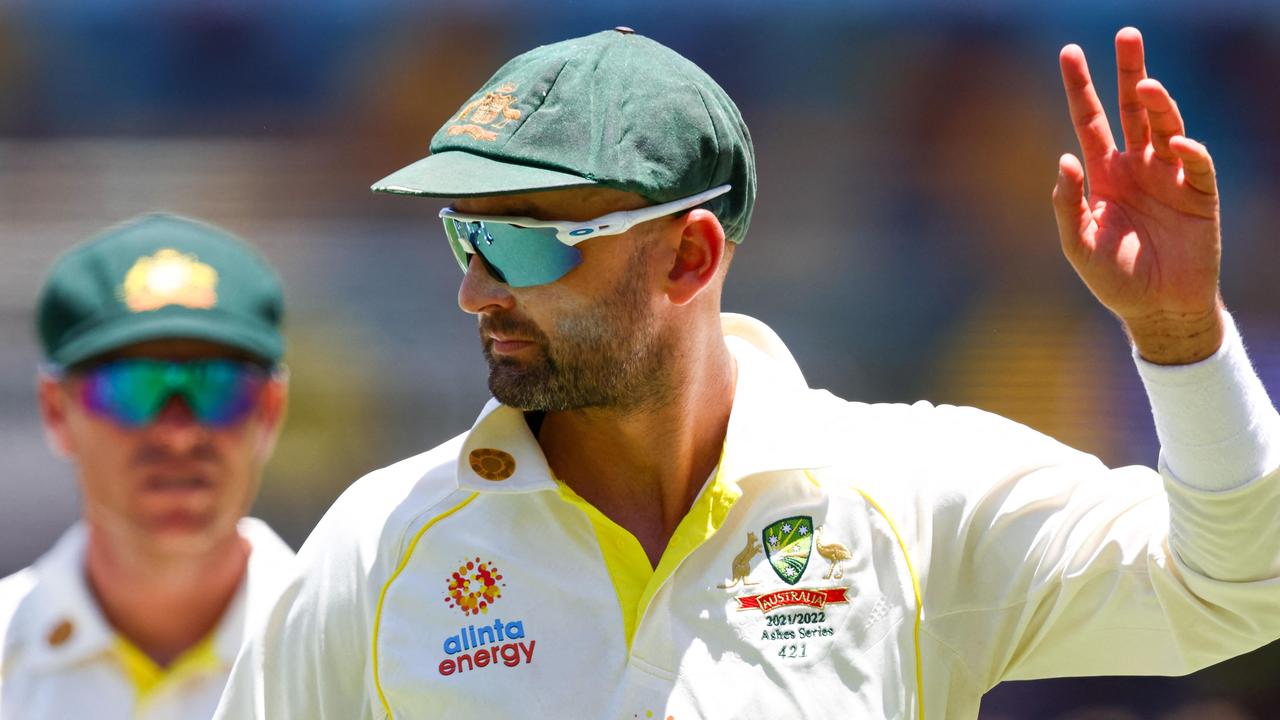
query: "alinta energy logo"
473, 588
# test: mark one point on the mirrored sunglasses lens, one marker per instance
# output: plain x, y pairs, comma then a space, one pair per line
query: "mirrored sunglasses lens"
132, 392
477, 234
223, 392
522, 256
463, 238
489, 268
128, 392
455, 231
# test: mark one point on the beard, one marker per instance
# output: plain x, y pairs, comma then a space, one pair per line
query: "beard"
610, 355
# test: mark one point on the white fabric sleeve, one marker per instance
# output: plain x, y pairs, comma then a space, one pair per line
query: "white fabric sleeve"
309, 658
1218, 429
1038, 561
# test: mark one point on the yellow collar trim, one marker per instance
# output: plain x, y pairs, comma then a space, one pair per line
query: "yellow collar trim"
624, 558
635, 582
147, 676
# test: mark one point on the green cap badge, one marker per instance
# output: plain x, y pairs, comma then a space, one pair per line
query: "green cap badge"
159, 277
612, 109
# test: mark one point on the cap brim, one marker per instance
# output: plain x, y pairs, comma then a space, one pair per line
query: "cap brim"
455, 174
260, 341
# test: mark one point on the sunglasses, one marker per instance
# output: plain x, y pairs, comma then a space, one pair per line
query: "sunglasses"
524, 252
133, 391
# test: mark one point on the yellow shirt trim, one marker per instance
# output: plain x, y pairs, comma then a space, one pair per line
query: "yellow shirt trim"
699, 524
915, 586
634, 581
382, 596
148, 677
624, 558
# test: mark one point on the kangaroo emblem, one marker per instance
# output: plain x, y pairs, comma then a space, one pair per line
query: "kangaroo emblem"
742, 563
495, 105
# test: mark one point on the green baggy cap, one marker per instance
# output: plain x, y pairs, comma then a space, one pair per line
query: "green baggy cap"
159, 277
613, 109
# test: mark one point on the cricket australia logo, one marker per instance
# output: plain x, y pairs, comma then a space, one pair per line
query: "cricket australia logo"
788, 544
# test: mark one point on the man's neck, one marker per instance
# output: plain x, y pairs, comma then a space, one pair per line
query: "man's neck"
162, 605
644, 469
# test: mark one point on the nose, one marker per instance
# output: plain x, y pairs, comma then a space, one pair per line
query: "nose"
177, 428
482, 292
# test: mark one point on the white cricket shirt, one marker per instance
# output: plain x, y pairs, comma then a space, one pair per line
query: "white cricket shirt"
845, 561
61, 660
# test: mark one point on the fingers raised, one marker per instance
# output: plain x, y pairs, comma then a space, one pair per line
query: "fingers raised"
1130, 68
1092, 129
1162, 113
1197, 164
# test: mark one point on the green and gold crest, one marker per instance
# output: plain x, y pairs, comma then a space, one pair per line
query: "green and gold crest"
787, 544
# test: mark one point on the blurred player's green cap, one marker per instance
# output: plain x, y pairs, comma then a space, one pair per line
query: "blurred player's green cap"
613, 109
159, 277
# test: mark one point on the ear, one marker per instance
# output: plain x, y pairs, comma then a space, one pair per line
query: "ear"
54, 402
699, 255
272, 408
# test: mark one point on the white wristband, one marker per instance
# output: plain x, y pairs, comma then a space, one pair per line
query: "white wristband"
1218, 429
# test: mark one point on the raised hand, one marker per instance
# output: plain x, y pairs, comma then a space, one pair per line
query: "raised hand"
1147, 239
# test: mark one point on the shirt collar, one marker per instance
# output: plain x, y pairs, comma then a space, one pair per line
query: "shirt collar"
777, 422
501, 454
774, 424
66, 626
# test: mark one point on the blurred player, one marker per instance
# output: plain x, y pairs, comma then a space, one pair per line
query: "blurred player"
657, 518
163, 389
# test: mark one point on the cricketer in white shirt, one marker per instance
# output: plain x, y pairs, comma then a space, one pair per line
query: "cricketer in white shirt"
162, 387
59, 658
847, 560
718, 540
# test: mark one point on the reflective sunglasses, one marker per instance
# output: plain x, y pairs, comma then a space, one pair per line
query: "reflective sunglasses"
133, 391
523, 252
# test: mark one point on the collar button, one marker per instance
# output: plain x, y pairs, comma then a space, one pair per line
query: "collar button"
60, 633
492, 464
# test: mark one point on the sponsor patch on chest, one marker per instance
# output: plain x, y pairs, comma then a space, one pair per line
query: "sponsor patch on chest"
473, 589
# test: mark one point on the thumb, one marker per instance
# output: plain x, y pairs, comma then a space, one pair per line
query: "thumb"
1075, 222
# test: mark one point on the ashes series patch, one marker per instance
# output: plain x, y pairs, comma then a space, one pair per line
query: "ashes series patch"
793, 616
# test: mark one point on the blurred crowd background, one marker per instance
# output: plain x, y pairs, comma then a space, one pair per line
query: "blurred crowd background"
903, 242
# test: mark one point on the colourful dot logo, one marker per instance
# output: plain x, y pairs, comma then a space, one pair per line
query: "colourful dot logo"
474, 586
